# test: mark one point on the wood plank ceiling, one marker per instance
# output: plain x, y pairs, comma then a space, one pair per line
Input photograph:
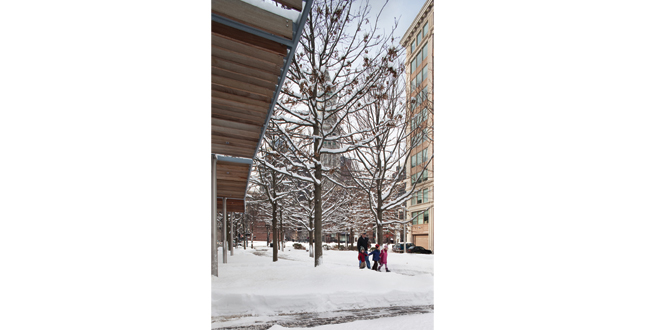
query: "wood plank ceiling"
248, 59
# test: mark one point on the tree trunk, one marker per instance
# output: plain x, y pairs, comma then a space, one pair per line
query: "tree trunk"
317, 200
379, 226
311, 243
275, 232
281, 233
228, 234
351, 237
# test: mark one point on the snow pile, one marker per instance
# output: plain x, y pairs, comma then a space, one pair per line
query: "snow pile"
270, 6
251, 284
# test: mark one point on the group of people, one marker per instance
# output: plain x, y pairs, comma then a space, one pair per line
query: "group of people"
379, 257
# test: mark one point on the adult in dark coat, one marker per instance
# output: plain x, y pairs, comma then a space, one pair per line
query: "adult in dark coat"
364, 242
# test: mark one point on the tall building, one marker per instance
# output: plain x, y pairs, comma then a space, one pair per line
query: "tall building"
418, 41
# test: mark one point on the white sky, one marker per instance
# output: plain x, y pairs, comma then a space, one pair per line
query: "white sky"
404, 10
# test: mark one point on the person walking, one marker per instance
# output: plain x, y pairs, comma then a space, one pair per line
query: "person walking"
375, 257
364, 242
383, 259
362, 257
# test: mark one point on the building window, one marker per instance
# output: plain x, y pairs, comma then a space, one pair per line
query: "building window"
424, 73
419, 197
419, 37
413, 46
425, 29
425, 51
425, 195
425, 217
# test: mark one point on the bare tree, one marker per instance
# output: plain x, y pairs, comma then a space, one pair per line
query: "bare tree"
342, 58
382, 159
273, 183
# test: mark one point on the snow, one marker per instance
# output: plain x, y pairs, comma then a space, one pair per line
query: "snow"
253, 286
407, 322
270, 6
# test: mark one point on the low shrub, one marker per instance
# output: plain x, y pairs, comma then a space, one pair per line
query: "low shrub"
298, 246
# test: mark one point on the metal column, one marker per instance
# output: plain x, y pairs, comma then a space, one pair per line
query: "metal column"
214, 216
224, 243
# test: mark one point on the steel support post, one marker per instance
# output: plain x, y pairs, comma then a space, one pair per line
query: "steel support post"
224, 240
214, 217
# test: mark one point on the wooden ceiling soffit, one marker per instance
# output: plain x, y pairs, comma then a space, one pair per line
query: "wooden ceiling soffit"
235, 193
236, 88
253, 62
234, 133
232, 205
233, 142
222, 113
219, 72
223, 149
248, 38
243, 69
252, 116
232, 179
251, 15
241, 48
228, 99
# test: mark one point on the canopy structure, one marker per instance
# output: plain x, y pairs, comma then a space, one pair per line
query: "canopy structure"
252, 46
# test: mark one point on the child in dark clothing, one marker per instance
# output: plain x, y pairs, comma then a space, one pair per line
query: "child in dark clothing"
375, 257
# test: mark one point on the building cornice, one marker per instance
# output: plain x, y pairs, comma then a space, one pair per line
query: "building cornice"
425, 10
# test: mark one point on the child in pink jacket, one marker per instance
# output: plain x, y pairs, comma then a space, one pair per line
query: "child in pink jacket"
383, 258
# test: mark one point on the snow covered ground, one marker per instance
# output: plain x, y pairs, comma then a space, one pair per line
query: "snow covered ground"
252, 289
414, 321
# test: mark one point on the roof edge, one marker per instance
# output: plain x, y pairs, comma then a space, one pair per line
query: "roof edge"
426, 8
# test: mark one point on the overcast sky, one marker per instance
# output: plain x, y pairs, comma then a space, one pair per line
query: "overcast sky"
404, 10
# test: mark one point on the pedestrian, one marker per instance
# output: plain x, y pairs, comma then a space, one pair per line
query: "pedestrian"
383, 259
375, 257
362, 257
364, 242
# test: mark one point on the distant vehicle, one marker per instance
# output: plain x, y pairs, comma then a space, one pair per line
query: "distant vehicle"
419, 249
399, 247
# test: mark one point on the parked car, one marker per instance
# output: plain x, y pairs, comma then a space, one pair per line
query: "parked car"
399, 247
419, 249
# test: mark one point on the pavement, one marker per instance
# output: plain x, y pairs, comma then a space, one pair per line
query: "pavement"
308, 320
